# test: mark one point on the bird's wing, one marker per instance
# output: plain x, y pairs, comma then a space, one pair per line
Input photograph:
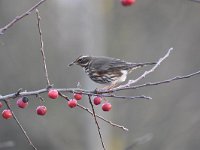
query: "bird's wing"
108, 64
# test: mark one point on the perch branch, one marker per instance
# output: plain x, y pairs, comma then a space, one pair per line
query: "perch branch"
162, 82
86, 92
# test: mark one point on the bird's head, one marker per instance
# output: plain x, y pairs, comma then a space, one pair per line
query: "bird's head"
82, 61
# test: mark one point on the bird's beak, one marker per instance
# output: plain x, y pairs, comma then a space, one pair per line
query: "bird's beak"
72, 63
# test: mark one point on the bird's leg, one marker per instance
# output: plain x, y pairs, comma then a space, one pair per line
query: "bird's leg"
109, 87
104, 89
112, 86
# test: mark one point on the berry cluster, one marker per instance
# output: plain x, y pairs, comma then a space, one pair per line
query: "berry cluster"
72, 103
41, 110
97, 100
22, 102
106, 106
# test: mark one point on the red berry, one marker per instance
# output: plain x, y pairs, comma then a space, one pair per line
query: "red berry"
106, 106
127, 2
21, 104
78, 96
6, 114
41, 110
97, 100
1, 104
72, 103
53, 93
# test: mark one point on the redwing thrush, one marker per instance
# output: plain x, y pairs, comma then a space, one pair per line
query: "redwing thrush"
107, 70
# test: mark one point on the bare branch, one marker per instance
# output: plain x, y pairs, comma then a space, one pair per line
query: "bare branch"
19, 124
146, 72
162, 82
98, 116
70, 90
17, 18
102, 118
98, 127
86, 92
42, 47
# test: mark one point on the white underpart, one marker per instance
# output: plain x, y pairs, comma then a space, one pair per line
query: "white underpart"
123, 77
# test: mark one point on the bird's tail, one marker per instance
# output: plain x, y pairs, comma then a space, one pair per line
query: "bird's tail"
143, 64
139, 65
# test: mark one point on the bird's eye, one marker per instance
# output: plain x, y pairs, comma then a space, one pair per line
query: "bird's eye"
82, 61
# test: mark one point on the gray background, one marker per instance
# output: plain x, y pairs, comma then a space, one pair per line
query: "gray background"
143, 32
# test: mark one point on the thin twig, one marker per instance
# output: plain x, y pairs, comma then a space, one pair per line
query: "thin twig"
41, 98
102, 118
98, 116
95, 119
19, 124
162, 82
17, 18
126, 97
18, 91
42, 47
146, 72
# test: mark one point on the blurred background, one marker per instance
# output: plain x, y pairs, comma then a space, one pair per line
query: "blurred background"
142, 32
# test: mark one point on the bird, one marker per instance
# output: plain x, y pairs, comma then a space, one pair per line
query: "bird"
107, 70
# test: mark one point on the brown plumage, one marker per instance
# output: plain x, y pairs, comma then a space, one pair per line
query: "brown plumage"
106, 70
